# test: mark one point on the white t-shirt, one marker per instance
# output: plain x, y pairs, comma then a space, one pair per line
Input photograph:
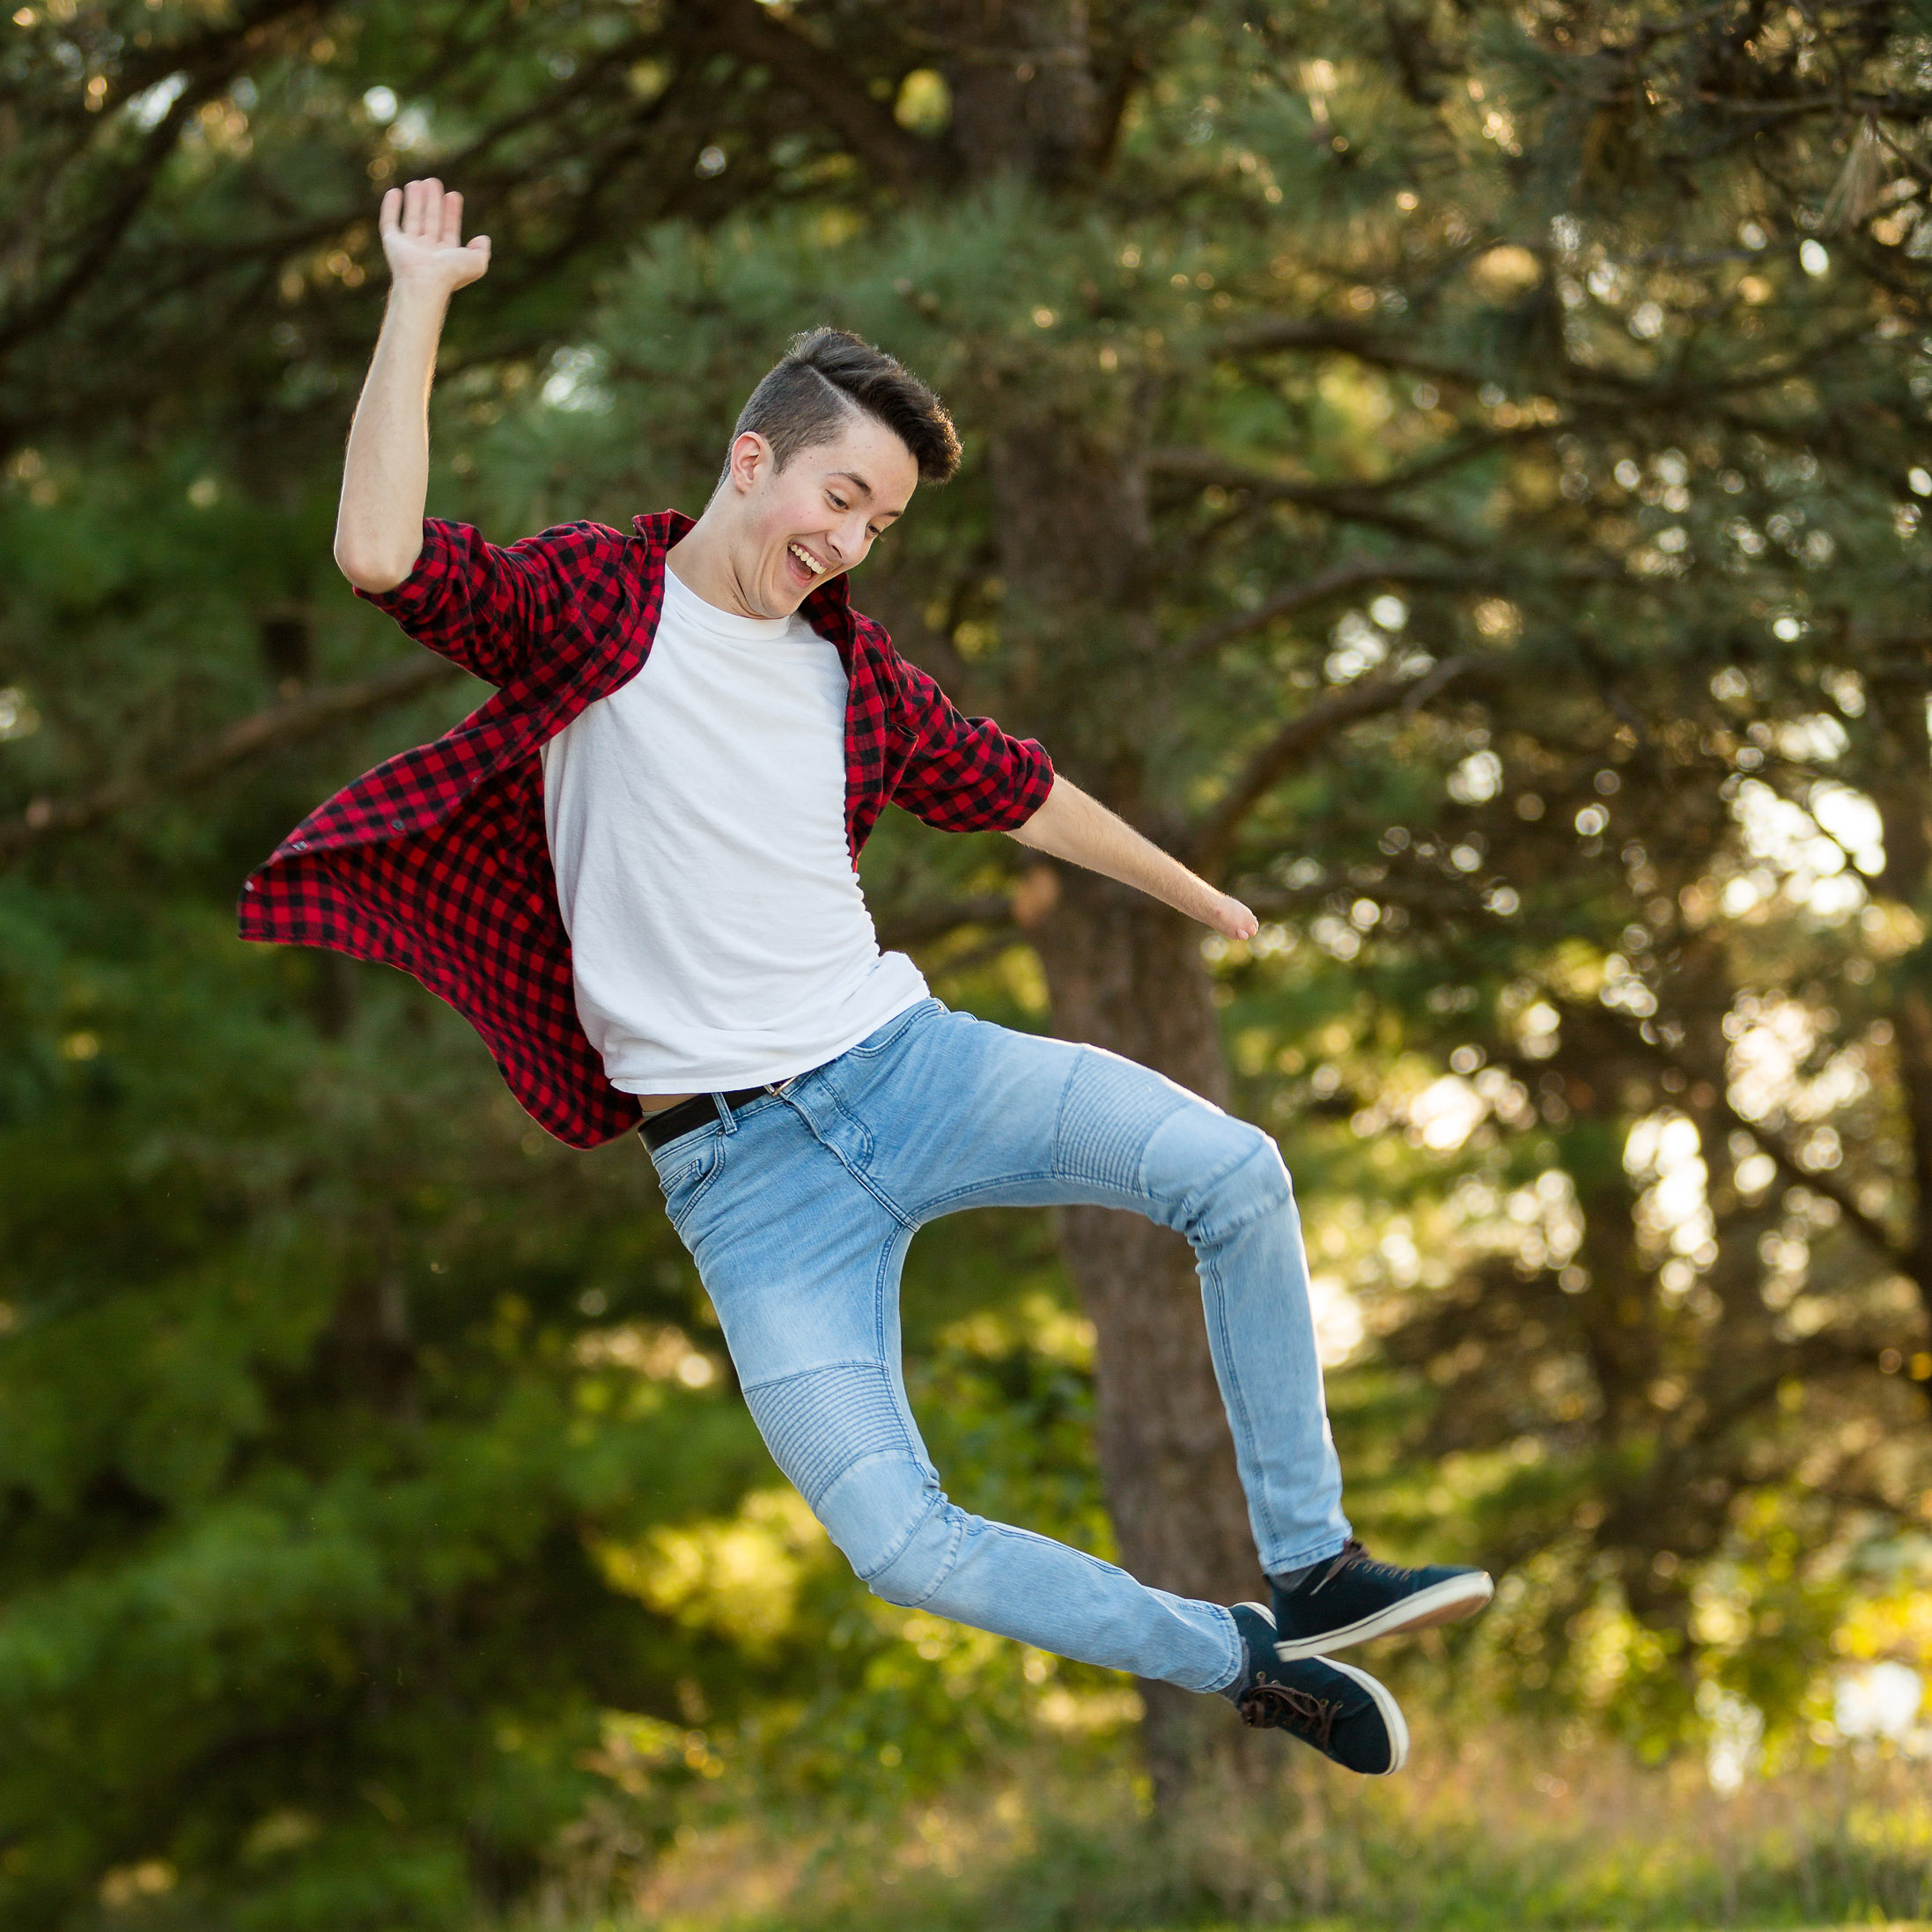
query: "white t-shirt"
696, 823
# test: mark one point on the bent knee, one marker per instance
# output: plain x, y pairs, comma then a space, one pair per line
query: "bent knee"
1259, 1179
839, 1434
1220, 1173
892, 1523
924, 1561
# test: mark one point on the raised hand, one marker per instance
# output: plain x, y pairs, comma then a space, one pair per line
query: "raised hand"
422, 235
378, 529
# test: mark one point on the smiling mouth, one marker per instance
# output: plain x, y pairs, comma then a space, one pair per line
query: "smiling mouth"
805, 557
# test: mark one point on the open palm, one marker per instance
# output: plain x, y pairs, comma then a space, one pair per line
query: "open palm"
421, 236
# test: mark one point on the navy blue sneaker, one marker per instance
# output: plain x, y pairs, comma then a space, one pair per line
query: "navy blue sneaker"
1352, 1598
1344, 1713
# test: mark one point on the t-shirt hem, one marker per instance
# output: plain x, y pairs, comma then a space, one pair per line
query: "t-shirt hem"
771, 1074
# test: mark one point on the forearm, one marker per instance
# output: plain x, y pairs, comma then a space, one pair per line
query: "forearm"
379, 525
1081, 830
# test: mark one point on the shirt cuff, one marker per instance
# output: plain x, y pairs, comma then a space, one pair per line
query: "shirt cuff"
1032, 777
418, 595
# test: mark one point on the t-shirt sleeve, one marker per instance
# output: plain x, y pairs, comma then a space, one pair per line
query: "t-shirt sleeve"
488, 609
964, 774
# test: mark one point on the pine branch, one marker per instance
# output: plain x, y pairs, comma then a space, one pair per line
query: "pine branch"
1350, 503
1272, 334
1873, 1230
1891, 106
1727, 1119
898, 159
1299, 737
1590, 388
1358, 573
1869, 1226
288, 723
210, 67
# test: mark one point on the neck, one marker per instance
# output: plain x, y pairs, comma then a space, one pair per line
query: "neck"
703, 560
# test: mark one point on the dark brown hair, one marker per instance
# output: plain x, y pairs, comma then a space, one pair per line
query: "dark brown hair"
826, 374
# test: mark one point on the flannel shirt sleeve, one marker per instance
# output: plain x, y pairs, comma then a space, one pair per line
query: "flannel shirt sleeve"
964, 774
488, 609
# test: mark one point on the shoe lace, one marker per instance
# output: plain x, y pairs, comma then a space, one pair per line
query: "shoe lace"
1353, 1554
1281, 1707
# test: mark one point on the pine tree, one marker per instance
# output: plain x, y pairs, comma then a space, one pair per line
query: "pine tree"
1414, 463
1455, 475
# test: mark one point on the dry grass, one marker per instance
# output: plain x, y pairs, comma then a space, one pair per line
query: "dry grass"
1482, 1832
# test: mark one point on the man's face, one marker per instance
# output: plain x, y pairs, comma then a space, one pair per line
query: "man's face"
797, 528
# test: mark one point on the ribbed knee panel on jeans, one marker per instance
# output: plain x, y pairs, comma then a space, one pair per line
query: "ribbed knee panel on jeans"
840, 1436
1108, 1111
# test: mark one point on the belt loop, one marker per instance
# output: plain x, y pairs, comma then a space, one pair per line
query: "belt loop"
724, 1114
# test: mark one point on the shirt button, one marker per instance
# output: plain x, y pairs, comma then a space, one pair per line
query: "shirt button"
395, 825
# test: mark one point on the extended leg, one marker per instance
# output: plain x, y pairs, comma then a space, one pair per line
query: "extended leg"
843, 1434
801, 1258
963, 1114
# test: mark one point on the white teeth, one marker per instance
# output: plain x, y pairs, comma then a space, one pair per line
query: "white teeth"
806, 557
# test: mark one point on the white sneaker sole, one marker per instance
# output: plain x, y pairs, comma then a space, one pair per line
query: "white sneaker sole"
1391, 1717
1443, 1603
1384, 1701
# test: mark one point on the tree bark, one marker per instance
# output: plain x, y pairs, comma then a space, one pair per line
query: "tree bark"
1903, 745
1025, 101
1076, 556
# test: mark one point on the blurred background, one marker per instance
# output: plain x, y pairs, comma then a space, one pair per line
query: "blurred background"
1456, 472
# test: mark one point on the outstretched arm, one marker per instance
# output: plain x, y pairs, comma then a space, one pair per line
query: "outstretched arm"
1080, 830
379, 527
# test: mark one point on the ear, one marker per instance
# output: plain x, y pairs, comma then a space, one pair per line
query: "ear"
749, 461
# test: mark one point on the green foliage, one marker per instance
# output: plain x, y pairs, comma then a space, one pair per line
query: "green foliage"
1526, 617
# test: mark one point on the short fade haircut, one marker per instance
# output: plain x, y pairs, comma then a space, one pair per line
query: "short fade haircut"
826, 375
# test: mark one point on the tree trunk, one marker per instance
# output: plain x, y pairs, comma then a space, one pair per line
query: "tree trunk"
1897, 709
1127, 975
1077, 647
1021, 77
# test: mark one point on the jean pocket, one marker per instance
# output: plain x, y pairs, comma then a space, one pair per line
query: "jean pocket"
877, 1043
690, 1175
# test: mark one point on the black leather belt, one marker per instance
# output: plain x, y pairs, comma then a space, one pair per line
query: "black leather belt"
659, 1130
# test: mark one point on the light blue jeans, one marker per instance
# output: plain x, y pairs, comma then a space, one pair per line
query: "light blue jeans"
799, 1211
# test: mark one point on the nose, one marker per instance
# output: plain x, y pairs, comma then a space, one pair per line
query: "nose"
847, 540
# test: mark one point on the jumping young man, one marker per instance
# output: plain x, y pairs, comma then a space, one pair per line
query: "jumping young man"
633, 871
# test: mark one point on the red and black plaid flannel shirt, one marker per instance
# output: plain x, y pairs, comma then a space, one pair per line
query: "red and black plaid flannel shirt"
438, 861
